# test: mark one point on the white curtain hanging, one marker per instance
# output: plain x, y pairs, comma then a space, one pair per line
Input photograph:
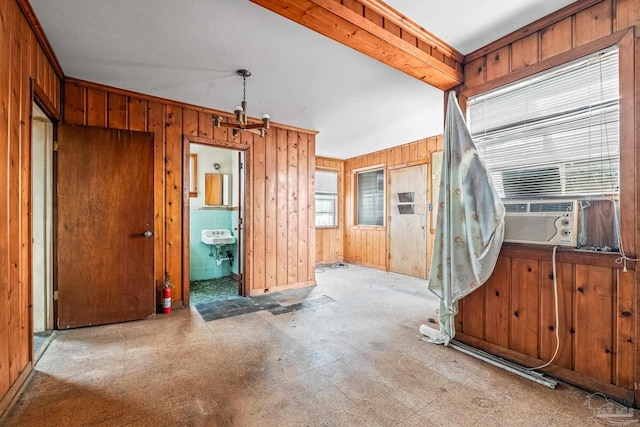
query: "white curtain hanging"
469, 226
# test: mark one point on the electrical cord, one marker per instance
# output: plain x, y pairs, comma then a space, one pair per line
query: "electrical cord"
557, 328
320, 268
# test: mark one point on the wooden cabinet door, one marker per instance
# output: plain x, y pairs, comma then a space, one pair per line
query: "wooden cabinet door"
104, 249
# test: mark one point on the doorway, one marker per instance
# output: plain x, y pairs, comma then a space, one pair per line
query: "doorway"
216, 201
408, 221
41, 228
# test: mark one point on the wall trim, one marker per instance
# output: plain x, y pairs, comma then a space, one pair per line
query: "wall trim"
11, 396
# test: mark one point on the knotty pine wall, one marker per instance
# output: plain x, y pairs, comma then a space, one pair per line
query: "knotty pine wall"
513, 314
279, 220
366, 245
330, 241
23, 59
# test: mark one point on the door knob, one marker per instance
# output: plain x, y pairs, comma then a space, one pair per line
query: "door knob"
147, 233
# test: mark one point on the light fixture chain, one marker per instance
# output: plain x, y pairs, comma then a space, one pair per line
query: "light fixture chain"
244, 88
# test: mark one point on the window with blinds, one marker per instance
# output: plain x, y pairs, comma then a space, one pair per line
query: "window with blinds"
554, 134
370, 197
326, 199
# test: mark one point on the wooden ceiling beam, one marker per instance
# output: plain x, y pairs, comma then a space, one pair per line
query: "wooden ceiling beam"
418, 54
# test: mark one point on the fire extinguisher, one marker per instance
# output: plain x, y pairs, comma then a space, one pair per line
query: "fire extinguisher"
166, 297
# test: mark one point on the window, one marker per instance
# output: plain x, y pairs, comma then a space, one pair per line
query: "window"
326, 199
554, 134
370, 197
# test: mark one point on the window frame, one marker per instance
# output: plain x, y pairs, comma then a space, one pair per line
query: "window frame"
354, 181
628, 188
338, 201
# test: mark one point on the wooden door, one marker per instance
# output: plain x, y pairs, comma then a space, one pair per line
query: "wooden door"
104, 226
408, 221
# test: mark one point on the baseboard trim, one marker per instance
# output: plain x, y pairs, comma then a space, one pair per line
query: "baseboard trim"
11, 396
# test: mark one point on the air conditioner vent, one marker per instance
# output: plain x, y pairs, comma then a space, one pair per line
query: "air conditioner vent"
542, 222
551, 207
516, 207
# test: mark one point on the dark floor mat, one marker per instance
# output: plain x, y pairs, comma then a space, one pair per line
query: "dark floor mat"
207, 290
237, 306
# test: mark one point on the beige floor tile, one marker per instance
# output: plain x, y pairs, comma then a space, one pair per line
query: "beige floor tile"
357, 360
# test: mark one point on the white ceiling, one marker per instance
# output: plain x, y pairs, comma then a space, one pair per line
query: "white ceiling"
189, 50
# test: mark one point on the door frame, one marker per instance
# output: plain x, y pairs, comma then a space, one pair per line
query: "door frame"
243, 249
48, 189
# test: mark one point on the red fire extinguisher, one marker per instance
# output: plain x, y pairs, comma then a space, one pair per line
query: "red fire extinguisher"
166, 297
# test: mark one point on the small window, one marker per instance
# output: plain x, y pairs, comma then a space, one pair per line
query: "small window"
370, 197
326, 199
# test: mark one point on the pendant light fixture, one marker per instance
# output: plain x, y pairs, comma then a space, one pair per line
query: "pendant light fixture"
242, 123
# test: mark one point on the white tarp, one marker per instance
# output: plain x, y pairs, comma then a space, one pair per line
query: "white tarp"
469, 225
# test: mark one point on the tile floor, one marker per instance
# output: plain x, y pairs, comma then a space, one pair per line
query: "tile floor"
355, 361
207, 290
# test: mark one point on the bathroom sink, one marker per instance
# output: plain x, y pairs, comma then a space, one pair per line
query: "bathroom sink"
217, 237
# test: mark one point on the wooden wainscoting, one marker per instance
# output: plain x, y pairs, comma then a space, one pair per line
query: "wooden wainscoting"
513, 315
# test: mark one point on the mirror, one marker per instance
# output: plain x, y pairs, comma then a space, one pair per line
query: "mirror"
217, 190
193, 175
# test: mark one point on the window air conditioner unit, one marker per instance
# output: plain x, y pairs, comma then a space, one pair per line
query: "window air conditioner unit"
541, 222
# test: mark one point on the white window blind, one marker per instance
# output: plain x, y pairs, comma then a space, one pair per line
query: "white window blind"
370, 187
555, 134
326, 199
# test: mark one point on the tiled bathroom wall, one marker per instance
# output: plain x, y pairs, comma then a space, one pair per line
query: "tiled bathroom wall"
201, 264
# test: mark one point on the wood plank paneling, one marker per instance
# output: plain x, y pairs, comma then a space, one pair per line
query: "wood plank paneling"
303, 208
497, 297
565, 314
23, 59
137, 114
271, 208
156, 116
593, 23
293, 206
556, 38
594, 322
498, 63
258, 214
117, 111
625, 318
96, 108
282, 235
173, 199
524, 327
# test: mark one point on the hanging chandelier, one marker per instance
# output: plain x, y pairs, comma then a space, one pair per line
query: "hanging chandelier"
242, 122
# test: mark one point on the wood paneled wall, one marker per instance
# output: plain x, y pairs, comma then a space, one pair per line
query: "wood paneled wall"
279, 220
329, 241
513, 314
23, 59
365, 245
281, 237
